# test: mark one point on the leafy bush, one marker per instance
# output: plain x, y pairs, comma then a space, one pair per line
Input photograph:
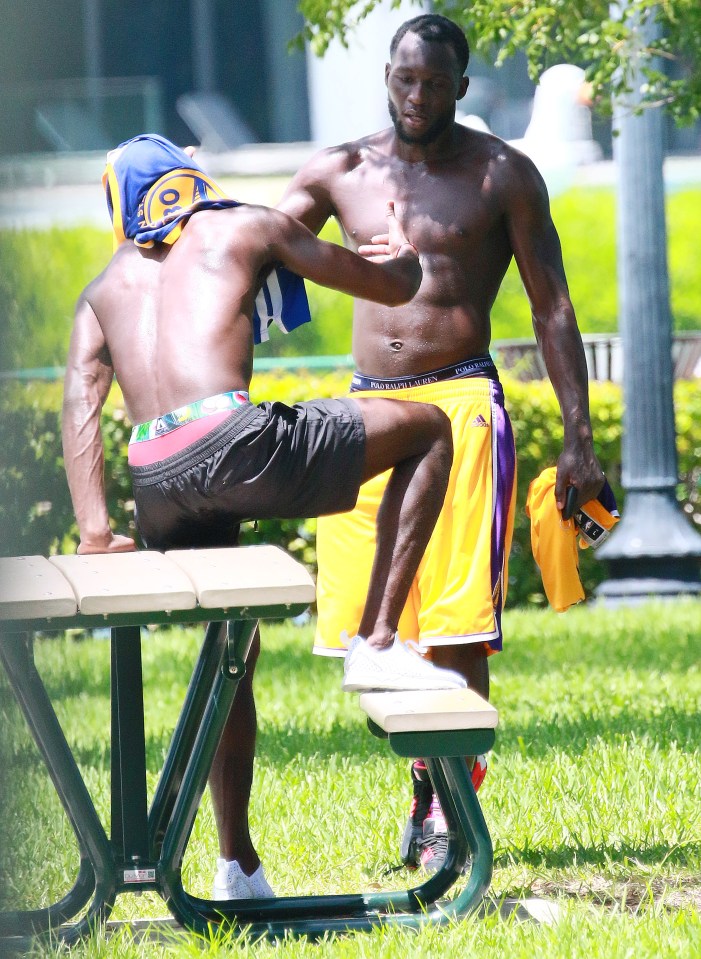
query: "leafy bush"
36, 515
586, 222
35, 506
42, 273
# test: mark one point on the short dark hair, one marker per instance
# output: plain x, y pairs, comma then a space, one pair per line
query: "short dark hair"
434, 28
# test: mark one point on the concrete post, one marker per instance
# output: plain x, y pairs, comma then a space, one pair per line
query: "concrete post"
653, 551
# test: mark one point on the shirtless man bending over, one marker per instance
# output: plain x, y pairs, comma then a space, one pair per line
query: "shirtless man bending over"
470, 203
172, 317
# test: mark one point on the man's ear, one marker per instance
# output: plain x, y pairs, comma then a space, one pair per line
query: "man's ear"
388, 67
462, 89
190, 151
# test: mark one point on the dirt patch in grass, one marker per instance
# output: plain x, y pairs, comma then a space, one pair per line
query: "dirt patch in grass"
632, 895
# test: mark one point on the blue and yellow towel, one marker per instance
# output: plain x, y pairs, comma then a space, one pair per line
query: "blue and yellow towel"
554, 540
152, 187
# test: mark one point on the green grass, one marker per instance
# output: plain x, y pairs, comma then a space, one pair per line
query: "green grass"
593, 796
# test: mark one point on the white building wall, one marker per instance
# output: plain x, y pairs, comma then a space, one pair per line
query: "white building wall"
347, 95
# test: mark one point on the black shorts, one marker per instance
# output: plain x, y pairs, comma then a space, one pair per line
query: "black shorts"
265, 461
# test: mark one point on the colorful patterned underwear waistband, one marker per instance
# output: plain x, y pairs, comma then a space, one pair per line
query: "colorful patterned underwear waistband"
477, 366
187, 414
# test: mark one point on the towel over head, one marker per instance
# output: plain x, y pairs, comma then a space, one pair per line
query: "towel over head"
153, 187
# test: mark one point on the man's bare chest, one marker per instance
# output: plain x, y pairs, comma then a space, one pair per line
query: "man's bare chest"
436, 210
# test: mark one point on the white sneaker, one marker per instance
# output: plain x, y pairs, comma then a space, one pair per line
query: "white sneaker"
259, 885
231, 882
397, 667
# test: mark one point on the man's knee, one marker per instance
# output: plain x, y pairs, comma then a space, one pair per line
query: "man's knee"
396, 430
442, 426
433, 430
436, 427
429, 415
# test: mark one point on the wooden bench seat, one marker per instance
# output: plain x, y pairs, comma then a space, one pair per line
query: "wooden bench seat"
429, 710
31, 586
35, 588
244, 576
432, 723
126, 582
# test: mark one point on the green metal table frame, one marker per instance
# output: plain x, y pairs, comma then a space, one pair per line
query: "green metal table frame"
147, 844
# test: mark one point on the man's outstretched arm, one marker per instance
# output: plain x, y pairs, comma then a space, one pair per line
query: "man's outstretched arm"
87, 382
392, 282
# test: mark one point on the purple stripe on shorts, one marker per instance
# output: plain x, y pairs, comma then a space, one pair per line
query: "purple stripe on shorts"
504, 467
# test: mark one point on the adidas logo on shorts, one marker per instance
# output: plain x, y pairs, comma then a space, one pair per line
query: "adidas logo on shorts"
479, 421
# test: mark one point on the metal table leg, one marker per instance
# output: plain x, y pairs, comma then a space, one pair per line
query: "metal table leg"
96, 876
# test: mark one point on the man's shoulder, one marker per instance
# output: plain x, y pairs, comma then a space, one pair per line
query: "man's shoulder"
230, 219
120, 262
507, 165
507, 154
483, 144
343, 157
109, 280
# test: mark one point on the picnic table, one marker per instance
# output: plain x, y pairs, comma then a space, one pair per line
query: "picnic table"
230, 590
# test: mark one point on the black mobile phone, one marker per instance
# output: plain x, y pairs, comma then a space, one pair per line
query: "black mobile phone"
570, 502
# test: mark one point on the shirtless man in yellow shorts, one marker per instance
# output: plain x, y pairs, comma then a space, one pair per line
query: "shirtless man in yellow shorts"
472, 203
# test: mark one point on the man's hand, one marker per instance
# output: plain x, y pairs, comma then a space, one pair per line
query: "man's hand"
377, 249
113, 543
578, 467
386, 246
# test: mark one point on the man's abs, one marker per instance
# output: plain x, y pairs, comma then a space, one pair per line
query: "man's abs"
402, 341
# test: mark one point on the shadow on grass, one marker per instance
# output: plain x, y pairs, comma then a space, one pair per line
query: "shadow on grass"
680, 855
635, 894
572, 735
281, 744
66, 675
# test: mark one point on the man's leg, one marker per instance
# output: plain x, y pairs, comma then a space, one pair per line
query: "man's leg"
239, 873
467, 550
416, 440
468, 659
231, 775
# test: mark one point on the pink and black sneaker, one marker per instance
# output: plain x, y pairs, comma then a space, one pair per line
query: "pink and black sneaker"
425, 838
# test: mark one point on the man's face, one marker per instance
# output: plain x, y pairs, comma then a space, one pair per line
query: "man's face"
423, 83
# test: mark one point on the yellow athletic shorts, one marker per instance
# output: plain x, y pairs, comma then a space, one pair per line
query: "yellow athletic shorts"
458, 593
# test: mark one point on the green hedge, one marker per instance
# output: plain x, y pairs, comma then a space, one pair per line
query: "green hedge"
586, 222
42, 273
36, 516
